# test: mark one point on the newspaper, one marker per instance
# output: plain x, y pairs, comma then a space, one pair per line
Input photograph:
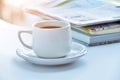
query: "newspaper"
114, 1
80, 12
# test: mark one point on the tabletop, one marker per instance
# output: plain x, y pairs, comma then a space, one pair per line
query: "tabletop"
100, 63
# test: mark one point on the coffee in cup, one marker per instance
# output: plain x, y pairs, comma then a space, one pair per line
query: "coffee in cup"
50, 38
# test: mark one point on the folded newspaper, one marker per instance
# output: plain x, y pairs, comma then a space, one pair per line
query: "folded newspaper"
79, 12
114, 1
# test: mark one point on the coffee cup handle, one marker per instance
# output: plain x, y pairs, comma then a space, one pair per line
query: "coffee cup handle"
20, 38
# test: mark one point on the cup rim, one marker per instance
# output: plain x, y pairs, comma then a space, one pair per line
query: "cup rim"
67, 24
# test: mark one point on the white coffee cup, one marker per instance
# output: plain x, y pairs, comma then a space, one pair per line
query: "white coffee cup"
50, 38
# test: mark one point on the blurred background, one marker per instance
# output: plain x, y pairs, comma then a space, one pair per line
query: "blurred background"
12, 11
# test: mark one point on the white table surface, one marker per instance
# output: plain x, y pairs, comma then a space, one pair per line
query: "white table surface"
100, 63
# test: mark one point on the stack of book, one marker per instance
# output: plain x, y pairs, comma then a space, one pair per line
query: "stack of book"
93, 22
97, 34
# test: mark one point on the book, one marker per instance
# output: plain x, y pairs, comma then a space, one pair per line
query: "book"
79, 12
94, 40
100, 29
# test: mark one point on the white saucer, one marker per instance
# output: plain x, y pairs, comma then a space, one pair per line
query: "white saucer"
76, 52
